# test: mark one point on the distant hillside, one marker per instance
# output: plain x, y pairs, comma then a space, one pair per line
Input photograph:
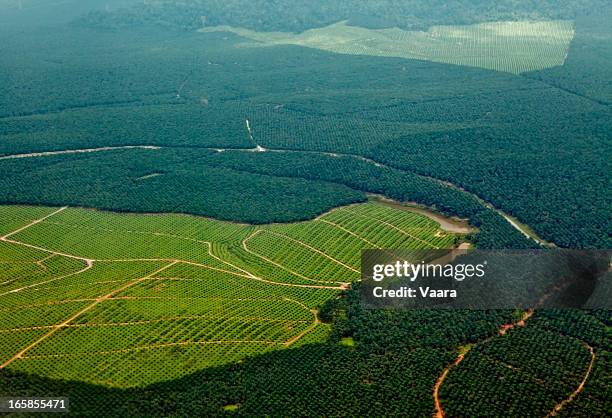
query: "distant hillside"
21, 14
299, 15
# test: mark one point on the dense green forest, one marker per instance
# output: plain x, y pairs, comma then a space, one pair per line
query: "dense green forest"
168, 181
394, 363
542, 361
533, 149
235, 185
587, 71
295, 16
494, 231
333, 128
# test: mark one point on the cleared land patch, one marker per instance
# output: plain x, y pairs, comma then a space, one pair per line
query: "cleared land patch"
92, 290
513, 47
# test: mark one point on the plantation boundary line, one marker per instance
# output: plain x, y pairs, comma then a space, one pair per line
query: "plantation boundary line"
89, 264
303, 244
154, 321
76, 151
64, 301
151, 347
37, 221
501, 331
247, 273
569, 91
336, 209
507, 218
244, 246
49, 251
390, 225
529, 234
307, 330
580, 387
340, 227
78, 314
482, 201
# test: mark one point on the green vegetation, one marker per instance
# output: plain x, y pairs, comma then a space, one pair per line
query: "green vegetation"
300, 15
514, 47
177, 315
14, 217
273, 384
391, 350
168, 180
531, 370
404, 186
144, 291
347, 341
586, 72
257, 187
484, 131
179, 291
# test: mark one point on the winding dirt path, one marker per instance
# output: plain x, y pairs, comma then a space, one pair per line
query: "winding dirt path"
438, 405
89, 264
340, 227
316, 250
274, 263
314, 324
129, 260
439, 411
89, 307
94, 302
528, 313
580, 387
390, 225
35, 222
76, 151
